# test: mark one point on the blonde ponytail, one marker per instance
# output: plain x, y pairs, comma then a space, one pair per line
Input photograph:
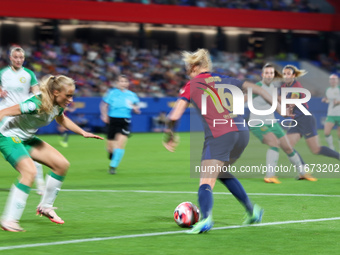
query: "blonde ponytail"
200, 58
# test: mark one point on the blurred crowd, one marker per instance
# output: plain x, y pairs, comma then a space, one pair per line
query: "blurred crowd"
152, 72
155, 72
329, 62
271, 5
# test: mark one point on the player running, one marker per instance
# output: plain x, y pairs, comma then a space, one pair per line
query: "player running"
17, 84
269, 132
116, 110
223, 144
333, 113
306, 124
19, 145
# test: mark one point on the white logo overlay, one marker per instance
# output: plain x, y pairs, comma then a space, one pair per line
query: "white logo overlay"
238, 100
238, 104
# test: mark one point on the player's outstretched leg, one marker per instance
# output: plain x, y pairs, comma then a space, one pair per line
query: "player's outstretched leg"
205, 199
50, 214
202, 226
15, 206
255, 216
39, 179
329, 140
64, 139
236, 188
45, 208
115, 160
11, 226
272, 158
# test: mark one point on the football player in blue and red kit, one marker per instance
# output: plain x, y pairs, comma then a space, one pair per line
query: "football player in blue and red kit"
305, 124
224, 143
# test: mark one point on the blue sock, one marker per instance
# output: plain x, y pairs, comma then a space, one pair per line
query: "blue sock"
236, 188
117, 157
205, 199
329, 152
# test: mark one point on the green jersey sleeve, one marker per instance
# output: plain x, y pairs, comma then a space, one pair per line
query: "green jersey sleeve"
258, 84
34, 80
31, 105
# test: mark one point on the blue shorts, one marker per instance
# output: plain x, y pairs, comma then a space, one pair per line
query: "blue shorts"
306, 126
225, 147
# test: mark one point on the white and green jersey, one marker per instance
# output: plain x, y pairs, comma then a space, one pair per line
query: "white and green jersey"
17, 84
26, 125
333, 94
260, 104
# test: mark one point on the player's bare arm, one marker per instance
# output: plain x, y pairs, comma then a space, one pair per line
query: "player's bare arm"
103, 112
70, 125
10, 111
35, 89
136, 109
170, 141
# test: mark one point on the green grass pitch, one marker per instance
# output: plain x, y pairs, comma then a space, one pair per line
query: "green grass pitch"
125, 220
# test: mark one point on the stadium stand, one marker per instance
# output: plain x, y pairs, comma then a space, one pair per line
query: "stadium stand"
277, 5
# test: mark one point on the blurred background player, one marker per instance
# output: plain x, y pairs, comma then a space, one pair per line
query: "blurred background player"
223, 144
306, 124
17, 84
64, 133
159, 122
19, 145
116, 108
333, 113
271, 132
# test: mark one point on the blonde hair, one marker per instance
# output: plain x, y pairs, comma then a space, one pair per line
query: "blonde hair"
277, 74
200, 58
16, 49
47, 86
298, 72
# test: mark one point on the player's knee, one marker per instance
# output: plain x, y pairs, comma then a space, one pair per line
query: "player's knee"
29, 174
315, 150
66, 164
63, 166
272, 143
287, 149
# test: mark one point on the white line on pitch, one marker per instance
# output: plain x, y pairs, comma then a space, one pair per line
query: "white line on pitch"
192, 192
158, 234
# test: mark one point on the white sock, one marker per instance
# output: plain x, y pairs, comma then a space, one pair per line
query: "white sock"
295, 160
16, 202
53, 185
271, 160
39, 178
329, 140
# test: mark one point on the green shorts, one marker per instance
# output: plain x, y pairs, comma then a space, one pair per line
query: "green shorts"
334, 119
260, 131
13, 149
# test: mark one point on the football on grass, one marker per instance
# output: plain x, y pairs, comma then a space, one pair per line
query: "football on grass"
186, 214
